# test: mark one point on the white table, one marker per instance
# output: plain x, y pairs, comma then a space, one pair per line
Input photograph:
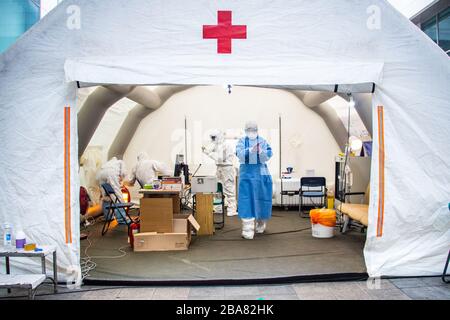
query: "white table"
20, 253
26, 281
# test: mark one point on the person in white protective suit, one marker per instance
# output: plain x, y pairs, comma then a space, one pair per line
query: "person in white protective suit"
223, 154
146, 170
113, 172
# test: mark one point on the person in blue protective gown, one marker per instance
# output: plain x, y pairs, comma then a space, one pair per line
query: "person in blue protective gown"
255, 182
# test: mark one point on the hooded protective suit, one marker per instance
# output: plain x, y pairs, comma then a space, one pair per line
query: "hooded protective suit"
255, 181
146, 170
113, 172
223, 154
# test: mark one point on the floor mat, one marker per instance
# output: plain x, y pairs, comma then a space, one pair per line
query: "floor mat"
287, 249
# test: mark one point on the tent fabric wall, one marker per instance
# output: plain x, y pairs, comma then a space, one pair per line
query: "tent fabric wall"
288, 43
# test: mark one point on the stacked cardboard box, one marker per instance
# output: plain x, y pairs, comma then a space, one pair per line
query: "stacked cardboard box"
177, 240
162, 227
156, 215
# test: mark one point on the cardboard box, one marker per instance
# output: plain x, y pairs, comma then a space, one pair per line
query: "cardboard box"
156, 215
172, 186
177, 240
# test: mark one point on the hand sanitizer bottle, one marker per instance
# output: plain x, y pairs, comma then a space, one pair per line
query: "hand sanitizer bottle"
7, 236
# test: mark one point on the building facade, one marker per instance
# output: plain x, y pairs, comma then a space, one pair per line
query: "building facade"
16, 17
435, 22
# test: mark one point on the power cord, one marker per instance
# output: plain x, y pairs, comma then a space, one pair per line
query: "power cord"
87, 262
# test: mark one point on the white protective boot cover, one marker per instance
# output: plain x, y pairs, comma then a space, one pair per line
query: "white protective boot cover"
248, 228
261, 226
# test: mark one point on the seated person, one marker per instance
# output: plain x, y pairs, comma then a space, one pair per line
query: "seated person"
145, 171
113, 172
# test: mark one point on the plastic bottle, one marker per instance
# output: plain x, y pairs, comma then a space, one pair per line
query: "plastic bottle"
20, 240
7, 236
330, 199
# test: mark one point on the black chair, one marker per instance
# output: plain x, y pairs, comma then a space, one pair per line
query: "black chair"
312, 188
220, 200
115, 204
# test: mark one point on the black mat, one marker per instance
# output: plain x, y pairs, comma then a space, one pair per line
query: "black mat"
286, 250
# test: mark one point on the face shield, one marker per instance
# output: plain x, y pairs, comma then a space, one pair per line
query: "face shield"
251, 130
251, 134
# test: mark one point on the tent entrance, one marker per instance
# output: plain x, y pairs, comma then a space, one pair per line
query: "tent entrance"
286, 252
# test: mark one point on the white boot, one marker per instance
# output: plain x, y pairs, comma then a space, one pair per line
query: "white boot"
261, 226
231, 213
248, 228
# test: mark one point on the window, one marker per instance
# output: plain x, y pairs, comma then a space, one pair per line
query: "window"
16, 17
430, 29
438, 29
444, 30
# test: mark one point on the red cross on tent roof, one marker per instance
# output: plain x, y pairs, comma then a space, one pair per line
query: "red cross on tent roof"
224, 32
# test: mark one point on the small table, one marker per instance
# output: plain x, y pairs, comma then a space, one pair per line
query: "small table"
29, 282
150, 192
20, 253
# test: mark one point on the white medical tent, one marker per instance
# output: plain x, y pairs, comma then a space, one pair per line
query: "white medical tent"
318, 44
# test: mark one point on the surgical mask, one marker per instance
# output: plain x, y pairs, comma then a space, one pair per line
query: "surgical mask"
252, 135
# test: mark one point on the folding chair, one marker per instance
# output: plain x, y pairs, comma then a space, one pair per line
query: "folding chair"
115, 204
444, 274
312, 188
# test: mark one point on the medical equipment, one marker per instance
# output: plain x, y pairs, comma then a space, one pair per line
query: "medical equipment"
181, 168
204, 184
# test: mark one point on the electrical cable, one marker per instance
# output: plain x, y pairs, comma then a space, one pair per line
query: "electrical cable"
61, 293
87, 263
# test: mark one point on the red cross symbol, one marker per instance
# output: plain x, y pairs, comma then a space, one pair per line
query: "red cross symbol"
224, 32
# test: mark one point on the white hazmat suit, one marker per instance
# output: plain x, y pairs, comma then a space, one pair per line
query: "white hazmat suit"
145, 171
223, 154
113, 172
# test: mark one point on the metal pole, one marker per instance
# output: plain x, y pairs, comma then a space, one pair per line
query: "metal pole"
8, 270
44, 269
55, 271
281, 176
279, 137
185, 140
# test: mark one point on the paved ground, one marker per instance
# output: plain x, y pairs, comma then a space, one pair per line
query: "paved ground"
394, 289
